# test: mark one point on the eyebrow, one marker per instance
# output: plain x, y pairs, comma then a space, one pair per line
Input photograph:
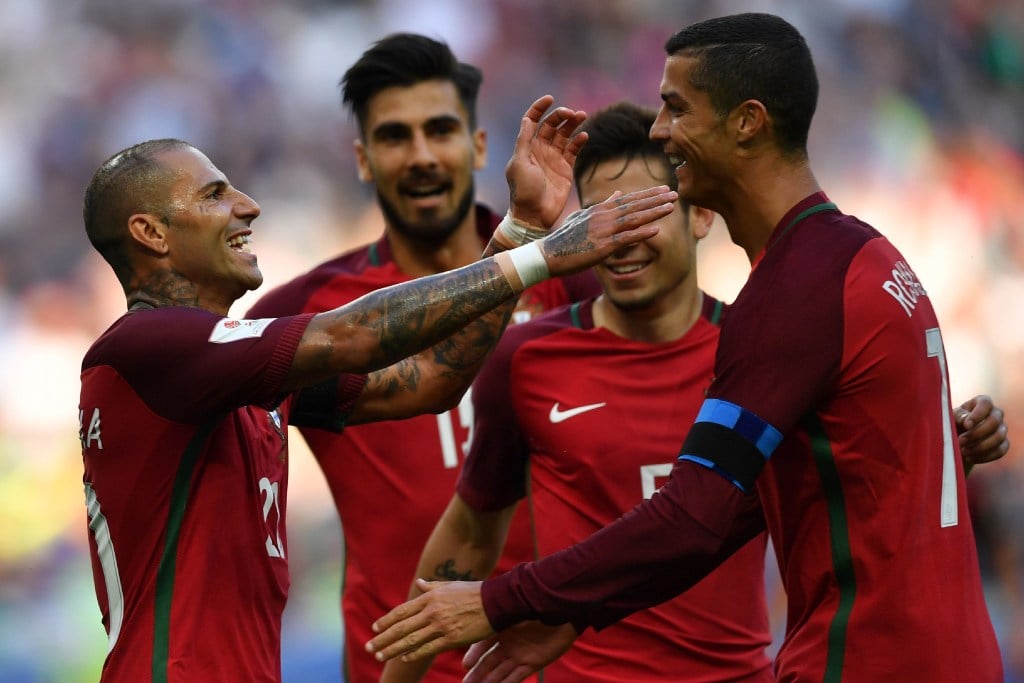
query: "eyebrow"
220, 184
393, 127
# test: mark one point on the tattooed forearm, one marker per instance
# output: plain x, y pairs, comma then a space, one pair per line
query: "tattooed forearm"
389, 324
446, 572
449, 366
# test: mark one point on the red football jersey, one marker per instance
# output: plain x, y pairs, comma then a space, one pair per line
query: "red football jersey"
830, 366
585, 425
834, 342
392, 480
186, 488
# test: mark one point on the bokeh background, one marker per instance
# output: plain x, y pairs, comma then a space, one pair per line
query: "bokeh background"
919, 131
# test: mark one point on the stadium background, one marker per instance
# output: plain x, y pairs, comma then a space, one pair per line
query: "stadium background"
918, 131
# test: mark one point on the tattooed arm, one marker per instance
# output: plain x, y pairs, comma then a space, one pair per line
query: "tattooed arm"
387, 325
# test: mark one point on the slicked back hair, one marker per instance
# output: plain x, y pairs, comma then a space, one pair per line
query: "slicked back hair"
404, 60
622, 131
754, 56
131, 181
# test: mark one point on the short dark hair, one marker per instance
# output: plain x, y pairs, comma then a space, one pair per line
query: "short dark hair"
128, 182
405, 59
754, 56
622, 131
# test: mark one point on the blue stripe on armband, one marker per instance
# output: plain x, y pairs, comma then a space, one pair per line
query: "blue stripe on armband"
733, 442
762, 435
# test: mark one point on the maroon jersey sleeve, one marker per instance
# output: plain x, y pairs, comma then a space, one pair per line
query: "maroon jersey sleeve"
187, 363
327, 404
649, 555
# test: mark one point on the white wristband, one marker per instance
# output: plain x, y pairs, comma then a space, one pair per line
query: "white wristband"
529, 263
518, 232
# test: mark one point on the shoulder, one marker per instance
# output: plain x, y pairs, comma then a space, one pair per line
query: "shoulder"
148, 332
522, 335
546, 323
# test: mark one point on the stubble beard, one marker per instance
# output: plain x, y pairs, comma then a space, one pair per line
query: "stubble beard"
432, 232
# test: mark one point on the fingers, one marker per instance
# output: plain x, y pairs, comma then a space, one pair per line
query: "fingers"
557, 128
476, 652
404, 629
983, 434
993, 447
480, 661
529, 123
405, 637
620, 201
493, 666
974, 411
536, 111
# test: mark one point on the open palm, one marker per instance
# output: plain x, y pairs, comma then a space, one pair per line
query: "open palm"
539, 173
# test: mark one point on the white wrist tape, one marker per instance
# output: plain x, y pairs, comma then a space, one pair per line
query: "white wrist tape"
515, 233
529, 263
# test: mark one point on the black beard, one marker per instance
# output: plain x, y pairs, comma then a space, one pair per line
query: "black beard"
428, 232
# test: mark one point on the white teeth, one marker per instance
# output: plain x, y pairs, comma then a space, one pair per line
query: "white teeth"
240, 242
625, 270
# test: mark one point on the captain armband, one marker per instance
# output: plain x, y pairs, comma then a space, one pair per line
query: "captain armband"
731, 441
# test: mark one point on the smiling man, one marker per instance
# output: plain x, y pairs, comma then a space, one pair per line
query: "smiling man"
183, 410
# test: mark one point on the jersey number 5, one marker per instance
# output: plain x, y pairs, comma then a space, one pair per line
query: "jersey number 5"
948, 513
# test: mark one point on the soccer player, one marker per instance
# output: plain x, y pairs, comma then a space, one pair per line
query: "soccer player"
828, 420
183, 410
419, 144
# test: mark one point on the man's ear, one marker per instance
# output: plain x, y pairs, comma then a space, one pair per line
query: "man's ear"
479, 149
149, 231
750, 119
701, 220
362, 162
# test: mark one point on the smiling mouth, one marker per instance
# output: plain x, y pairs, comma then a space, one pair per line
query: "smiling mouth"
425, 191
240, 243
627, 268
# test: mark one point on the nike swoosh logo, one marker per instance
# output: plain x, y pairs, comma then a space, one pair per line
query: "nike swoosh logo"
557, 415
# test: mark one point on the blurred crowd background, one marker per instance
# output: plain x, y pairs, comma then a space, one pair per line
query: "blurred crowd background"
919, 131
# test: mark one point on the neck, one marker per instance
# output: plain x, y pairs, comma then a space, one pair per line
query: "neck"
166, 289
665, 320
759, 200
418, 257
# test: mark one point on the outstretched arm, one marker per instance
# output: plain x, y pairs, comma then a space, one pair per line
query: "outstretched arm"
384, 326
649, 555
